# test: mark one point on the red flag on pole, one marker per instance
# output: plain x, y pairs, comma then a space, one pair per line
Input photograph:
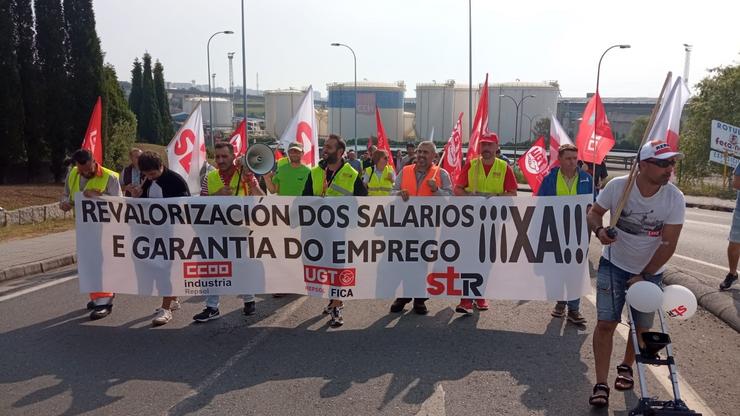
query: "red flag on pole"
382, 138
480, 122
452, 159
558, 137
238, 139
595, 137
92, 141
533, 164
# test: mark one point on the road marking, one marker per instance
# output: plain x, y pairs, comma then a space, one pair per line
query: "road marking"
435, 404
688, 394
714, 224
723, 268
37, 288
718, 215
275, 319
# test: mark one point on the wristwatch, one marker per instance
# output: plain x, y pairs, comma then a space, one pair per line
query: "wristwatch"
596, 231
646, 275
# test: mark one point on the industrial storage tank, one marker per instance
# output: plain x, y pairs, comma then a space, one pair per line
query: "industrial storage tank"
502, 114
223, 111
280, 107
342, 104
438, 107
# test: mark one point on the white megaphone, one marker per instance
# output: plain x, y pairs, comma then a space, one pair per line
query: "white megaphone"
259, 159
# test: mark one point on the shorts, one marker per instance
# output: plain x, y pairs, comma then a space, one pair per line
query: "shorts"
735, 230
611, 289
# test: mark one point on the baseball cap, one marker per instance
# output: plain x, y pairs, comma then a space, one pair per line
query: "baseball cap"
296, 145
489, 137
658, 149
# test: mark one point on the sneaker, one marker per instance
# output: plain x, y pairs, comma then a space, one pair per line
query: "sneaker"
398, 305
162, 317
559, 310
729, 280
208, 314
90, 305
482, 304
420, 308
249, 308
576, 317
465, 307
336, 317
101, 311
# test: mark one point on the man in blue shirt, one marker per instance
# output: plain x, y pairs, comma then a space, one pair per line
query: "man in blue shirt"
733, 248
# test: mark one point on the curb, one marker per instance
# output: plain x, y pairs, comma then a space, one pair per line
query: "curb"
709, 207
720, 304
42, 266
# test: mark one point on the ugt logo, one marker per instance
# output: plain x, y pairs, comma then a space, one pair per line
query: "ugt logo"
444, 283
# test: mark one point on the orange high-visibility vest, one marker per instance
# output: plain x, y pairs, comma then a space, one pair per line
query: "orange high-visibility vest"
408, 182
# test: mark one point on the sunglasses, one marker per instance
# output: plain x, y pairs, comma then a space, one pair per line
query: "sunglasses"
662, 163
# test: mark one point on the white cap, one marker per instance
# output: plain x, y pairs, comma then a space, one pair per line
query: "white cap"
658, 149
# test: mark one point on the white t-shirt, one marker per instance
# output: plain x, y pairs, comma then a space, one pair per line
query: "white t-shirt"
640, 225
155, 191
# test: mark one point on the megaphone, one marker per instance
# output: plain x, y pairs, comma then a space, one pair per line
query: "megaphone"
259, 159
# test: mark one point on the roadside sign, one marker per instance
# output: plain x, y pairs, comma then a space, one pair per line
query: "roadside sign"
724, 137
719, 157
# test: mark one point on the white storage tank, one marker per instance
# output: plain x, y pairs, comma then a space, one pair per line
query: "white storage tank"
502, 114
280, 107
342, 103
223, 110
439, 105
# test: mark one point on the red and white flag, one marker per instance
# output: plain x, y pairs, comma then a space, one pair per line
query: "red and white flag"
93, 140
480, 122
238, 139
186, 152
533, 164
383, 139
667, 122
452, 156
595, 137
558, 137
304, 129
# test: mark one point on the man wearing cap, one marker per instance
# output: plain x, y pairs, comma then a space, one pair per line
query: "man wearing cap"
647, 233
486, 176
290, 178
92, 179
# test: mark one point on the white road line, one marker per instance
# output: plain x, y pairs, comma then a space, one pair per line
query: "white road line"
716, 215
723, 268
688, 394
36, 288
275, 319
713, 224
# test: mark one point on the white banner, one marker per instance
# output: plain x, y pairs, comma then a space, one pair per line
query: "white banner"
724, 137
345, 247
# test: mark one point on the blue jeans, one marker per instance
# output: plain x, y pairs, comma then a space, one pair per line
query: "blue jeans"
212, 301
611, 290
573, 305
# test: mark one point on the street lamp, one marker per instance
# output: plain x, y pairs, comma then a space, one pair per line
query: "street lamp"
516, 119
531, 121
596, 109
354, 57
210, 103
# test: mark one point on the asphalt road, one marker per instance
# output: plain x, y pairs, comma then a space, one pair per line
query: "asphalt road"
512, 360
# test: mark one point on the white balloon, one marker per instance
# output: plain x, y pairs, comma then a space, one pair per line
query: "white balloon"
679, 302
645, 296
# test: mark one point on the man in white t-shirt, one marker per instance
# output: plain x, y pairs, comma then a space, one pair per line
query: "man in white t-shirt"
647, 233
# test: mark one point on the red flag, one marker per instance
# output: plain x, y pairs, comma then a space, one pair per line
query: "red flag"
238, 139
558, 137
533, 164
592, 141
92, 141
278, 154
383, 139
452, 159
480, 122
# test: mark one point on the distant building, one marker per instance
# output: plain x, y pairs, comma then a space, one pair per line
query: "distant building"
621, 113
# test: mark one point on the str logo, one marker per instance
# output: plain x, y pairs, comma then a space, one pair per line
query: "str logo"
206, 269
444, 283
339, 280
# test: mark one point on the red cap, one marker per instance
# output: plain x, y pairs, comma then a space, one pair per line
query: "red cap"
489, 137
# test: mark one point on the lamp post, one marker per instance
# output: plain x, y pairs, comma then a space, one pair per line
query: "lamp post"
516, 119
244, 71
354, 57
210, 99
596, 110
470, 69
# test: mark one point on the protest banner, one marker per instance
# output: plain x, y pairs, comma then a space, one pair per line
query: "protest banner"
345, 247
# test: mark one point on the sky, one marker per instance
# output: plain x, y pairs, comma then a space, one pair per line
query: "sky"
288, 42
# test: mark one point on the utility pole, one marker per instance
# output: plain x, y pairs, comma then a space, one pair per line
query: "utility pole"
231, 75
687, 49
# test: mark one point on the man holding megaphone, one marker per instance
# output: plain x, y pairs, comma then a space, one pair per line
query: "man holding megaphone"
241, 182
648, 219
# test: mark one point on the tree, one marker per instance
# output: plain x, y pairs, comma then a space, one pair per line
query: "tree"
150, 123
639, 125
162, 102
11, 105
50, 40
119, 122
717, 98
542, 128
84, 66
134, 98
31, 82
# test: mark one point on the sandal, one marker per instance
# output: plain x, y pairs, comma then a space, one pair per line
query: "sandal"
625, 380
600, 397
